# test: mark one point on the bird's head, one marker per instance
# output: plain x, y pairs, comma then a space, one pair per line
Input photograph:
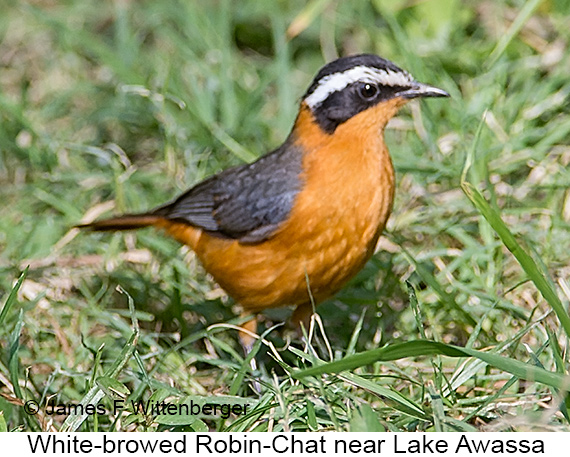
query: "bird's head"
363, 83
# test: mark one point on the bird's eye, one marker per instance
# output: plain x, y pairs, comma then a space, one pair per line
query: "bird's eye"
367, 91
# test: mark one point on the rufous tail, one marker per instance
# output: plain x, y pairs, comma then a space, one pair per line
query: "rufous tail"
126, 222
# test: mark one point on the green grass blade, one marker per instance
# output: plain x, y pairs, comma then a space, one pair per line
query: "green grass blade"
247, 364
12, 297
401, 402
492, 216
311, 417
439, 419
364, 419
350, 349
446, 297
422, 347
526, 12
13, 364
3, 426
95, 394
416, 309
525, 260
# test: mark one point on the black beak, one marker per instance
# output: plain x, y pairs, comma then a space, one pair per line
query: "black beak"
422, 90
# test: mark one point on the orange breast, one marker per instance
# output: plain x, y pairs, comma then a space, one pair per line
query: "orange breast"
333, 227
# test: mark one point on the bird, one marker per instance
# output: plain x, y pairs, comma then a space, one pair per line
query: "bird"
292, 227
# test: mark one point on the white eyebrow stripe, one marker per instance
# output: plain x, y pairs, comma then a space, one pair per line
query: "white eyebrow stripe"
337, 81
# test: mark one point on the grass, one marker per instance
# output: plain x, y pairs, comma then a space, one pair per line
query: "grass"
459, 322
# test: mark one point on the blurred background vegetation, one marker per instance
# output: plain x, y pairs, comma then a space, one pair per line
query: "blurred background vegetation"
116, 106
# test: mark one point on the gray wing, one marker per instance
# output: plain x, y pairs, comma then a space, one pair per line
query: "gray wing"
248, 202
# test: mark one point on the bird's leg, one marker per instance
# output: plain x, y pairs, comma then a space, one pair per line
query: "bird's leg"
301, 317
247, 341
245, 337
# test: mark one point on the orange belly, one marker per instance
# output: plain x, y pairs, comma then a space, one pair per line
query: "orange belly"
332, 230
